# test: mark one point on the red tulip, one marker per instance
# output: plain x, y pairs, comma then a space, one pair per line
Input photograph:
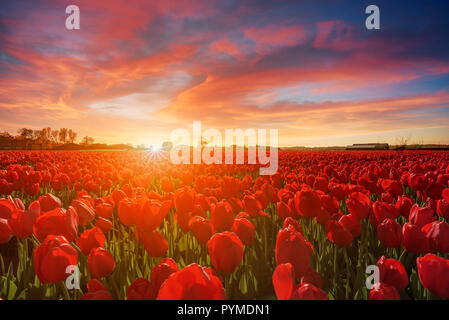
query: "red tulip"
127, 211
183, 219
290, 221
438, 235
161, 272
90, 239
292, 247
152, 214
96, 291
57, 222
421, 216
338, 233
104, 210
225, 251
393, 187
167, 184
140, 289
359, 204
432, 272
6, 209
194, 282
404, 204
389, 233
154, 242
414, 240
443, 208
284, 281
383, 291
417, 182
222, 216
49, 202
104, 224
308, 291
101, 263
445, 194
52, 257
312, 277
184, 200
253, 206
84, 211
392, 272
283, 210
383, 210
5, 231
245, 230
117, 195
351, 223
21, 223
307, 202
202, 228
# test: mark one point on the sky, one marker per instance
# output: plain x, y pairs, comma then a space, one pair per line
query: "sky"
136, 70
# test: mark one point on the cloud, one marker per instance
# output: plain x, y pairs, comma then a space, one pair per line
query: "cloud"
159, 65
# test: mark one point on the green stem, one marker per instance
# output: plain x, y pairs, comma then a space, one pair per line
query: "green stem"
63, 290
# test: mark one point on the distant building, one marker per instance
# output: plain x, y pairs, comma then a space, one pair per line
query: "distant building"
369, 146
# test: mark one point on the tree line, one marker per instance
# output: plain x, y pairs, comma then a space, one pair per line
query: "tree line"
48, 135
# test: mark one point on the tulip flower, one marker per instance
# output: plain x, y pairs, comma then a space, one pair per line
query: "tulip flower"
104, 224
84, 211
307, 202
253, 206
421, 216
96, 291
338, 233
359, 204
49, 202
443, 208
392, 272
184, 200
383, 291
438, 235
194, 282
245, 230
5, 231
154, 242
284, 281
414, 240
202, 228
225, 251
312, 277
90, 239
161, 272
140, 289
52, 257
432, 272
389, 233
57, 222
101, 263
222, 216
308, 291
292, 247
152, 214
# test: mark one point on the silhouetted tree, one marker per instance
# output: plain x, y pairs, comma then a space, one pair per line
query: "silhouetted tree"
63, 135
25, 133
87, 140
5, 135
45, 135
54, 135
72, 135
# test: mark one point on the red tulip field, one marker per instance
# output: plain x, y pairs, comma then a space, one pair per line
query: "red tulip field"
127, 225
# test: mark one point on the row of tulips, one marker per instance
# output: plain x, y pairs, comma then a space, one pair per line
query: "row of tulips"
138, 227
